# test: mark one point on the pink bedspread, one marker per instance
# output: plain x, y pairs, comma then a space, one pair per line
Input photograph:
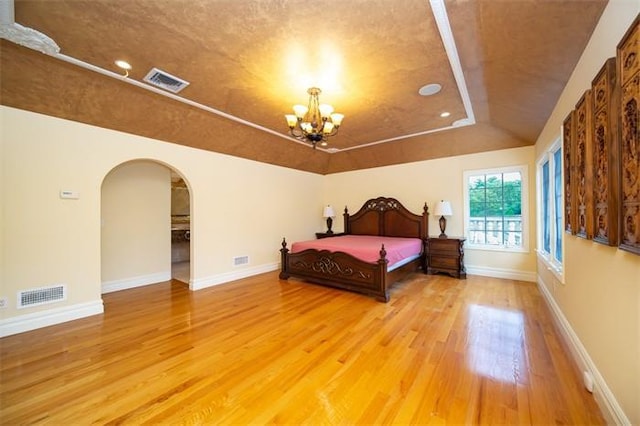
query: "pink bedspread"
365, 247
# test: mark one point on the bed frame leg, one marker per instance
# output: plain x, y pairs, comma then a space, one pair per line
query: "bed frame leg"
384, 298
382, 277
284, 264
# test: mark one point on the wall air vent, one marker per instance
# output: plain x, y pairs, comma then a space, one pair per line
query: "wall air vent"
240, 260
41, 296
165, 80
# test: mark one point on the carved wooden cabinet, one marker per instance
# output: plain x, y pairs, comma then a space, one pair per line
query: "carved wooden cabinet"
446, 255
583, 171
568, 149
605, 155
629, 75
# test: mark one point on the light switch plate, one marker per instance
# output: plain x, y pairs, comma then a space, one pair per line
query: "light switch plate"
70, 195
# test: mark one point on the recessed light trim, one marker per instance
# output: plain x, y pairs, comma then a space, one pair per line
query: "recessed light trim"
430, 89
123, 64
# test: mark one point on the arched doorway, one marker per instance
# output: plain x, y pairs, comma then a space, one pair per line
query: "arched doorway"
136, 225
180, 229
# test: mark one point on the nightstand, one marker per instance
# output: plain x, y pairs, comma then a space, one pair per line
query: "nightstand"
320, 235
446, 255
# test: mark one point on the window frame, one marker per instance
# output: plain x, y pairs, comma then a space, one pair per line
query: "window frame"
524, 208
556, 214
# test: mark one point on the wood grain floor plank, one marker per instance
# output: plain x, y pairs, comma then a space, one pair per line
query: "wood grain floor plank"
265, 351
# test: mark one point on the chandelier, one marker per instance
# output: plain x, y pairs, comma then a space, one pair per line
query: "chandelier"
315, 123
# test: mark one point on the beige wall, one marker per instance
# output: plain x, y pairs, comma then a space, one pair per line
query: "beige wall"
136, 222
601, 294
240, 207
430, 181
3, 207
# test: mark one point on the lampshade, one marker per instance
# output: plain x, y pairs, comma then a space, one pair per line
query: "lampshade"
292, 120
336, 118
328, 212
300, 110
443, 208
325, 110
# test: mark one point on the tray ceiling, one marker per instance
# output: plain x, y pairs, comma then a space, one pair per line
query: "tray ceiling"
248, 62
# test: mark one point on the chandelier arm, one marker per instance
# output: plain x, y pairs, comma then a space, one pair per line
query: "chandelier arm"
321, 125
296, 132
334, 132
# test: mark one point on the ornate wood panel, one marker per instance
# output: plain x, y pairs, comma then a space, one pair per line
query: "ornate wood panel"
629, 74
583, 170
568, 149
605, 157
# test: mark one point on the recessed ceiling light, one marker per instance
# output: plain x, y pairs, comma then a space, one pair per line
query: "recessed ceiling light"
430, 89
445, 114
123, 64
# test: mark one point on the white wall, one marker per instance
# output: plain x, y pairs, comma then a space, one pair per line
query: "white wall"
430, 181
136, 225
240, 207
599, 301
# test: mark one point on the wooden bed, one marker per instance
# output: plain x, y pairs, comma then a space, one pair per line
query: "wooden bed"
381, 216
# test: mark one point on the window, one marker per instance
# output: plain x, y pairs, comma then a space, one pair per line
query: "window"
550, 212
496, 208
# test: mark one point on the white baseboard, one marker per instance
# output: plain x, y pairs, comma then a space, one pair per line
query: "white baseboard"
200, 283
123, 284
611, 410
510, 274
28, 322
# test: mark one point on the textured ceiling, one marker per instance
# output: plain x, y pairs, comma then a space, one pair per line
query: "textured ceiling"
254, 59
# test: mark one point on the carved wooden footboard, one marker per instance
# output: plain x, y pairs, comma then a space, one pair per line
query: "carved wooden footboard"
337, 269
381, 216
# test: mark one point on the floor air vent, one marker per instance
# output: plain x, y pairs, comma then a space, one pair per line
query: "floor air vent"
41, 296
165, 81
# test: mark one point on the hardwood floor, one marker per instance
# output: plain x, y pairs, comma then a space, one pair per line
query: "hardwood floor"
260, 350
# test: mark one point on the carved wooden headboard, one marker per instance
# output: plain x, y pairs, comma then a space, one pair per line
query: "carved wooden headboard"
387, 217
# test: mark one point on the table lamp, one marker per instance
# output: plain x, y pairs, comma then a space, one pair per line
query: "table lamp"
442, 209
329, 214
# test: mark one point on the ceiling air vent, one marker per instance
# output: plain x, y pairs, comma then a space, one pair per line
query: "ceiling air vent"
165, 81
